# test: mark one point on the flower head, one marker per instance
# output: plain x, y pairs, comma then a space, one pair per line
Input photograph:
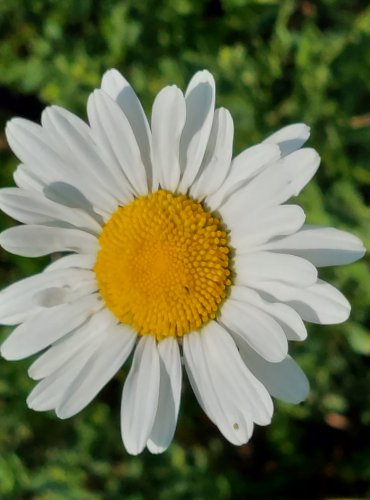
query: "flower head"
173, 250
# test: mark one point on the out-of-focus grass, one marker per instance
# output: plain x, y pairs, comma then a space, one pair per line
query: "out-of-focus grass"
275, 62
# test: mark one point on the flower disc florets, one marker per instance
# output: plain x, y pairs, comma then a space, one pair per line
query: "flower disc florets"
163, 266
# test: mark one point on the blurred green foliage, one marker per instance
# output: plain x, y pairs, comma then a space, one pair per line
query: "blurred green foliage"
275, 62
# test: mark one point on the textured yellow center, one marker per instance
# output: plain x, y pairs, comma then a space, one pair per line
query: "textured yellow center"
163, 264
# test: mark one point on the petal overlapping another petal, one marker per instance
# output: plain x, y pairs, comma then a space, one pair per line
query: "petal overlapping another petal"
231, 396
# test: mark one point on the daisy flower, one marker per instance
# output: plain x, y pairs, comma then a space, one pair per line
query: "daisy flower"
173, 251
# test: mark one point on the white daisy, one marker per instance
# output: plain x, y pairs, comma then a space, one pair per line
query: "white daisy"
176, 251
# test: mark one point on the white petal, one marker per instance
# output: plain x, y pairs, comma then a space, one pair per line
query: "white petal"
217, 158
243, 168
28, 142
35, 241
118, 88
116, 140
200, 105
208, 392
168, 120
193, 358
274, 185
47, 326
319, 303
290, 138
140, 396
114, 348
77, 340
284, 380
19, 310
30, 207
323, 246
251, 230
253, 268
25, 179
232, 396
36, 149
62, 193
49, 392
287, 317
79, 261
70, 196
55, 296
72, 139
169, 396
19, 300
259, 329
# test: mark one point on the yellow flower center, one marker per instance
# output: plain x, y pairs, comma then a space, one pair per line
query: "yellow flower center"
163, 264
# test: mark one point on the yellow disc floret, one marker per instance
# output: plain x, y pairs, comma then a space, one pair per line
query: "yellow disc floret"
163, 264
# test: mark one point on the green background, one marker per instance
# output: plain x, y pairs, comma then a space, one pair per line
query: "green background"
275, 62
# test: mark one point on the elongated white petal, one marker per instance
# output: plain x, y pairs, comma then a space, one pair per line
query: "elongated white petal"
140, 396
169, 396
30, 207
36, 149
26, 179
200, 105
28, 142
47, 326
232, 396
114, 348
31, 285
79, 261
223, 412
290, 138
248, 390
118, 88
254, 268
116, 139
62, 122
251, 230
15, 309
77, 340
274, 185
243, 168
286, 316
284, 380
48, 393
55, 296
19, 311
260, 330
168, 120
35, 241
72, 139
20, 300
51, 186
323, 246
68, 195
319, 303
217, 158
